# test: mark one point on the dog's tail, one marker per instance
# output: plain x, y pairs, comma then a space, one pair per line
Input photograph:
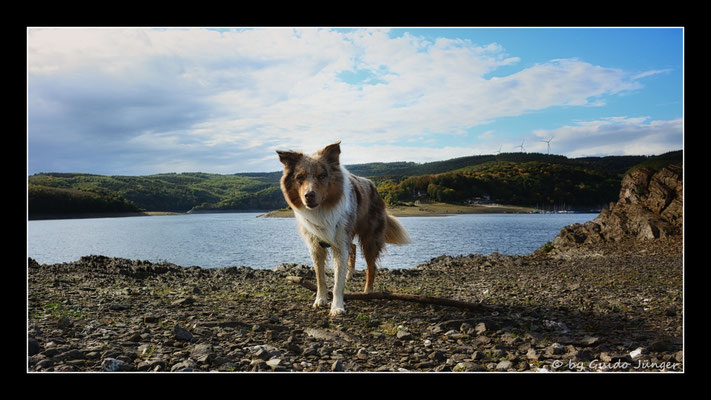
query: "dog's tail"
394, 232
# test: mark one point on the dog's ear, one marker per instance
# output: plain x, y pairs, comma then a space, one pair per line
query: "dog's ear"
331, 152
289, 158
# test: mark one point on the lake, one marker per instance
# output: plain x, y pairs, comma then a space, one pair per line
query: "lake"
234, 239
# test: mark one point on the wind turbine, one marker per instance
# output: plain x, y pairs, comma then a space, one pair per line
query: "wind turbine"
499, 152
549, 144
523, 150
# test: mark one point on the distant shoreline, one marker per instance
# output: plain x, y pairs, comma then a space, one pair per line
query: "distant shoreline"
432, 210
100, 215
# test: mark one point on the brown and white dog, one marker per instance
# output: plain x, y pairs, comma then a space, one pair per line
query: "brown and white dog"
332, 206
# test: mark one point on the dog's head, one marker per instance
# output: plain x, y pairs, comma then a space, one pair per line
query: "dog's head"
312, 181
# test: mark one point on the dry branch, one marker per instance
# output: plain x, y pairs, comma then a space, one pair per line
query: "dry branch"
395, 296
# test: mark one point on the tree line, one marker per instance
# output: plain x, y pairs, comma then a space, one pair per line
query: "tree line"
527, 179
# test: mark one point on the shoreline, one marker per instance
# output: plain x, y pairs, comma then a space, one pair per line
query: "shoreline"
431, 210
423, 210
43, 216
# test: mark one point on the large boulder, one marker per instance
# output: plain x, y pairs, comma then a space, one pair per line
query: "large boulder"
650, 206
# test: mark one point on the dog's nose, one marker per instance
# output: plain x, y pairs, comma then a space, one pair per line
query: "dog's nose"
310, 197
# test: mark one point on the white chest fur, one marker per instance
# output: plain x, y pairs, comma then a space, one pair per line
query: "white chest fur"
328, 225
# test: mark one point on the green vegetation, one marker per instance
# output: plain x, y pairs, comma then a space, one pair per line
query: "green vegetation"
54, 200
161, 192
524, 179
532, 183
658, 162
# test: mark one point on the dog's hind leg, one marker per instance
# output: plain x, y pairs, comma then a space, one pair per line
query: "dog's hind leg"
351, 262
371, 250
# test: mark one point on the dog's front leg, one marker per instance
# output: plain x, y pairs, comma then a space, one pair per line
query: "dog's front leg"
340, 269
318, 256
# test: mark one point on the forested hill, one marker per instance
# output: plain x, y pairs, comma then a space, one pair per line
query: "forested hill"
530, 179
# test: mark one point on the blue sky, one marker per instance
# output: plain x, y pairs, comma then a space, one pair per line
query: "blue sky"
140, 101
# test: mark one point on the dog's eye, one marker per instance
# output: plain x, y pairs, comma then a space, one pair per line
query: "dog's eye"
300, 177
322, 176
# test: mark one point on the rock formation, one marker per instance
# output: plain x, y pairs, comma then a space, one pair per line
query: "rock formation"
650, 206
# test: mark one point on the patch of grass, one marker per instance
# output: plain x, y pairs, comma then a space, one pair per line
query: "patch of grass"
57, 310
546, 248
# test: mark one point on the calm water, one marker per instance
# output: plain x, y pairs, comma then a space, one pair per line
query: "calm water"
218, 240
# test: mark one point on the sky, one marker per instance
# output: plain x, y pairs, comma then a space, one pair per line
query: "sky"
141, 101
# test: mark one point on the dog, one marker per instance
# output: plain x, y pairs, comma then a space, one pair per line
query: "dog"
331, 207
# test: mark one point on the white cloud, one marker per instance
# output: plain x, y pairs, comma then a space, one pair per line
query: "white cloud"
356, 154
646, 74
612, 136
194, 92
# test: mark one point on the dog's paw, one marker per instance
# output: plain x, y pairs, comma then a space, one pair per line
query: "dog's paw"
320, 302
337, 311
349, 274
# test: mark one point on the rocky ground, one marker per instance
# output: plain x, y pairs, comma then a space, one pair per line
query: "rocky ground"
607, 310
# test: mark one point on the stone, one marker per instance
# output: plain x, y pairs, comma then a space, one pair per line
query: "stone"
437, 356
455, 335
184, 366
203, 353
135, 337
404, 334
64, 323
329, 334
531, 354
151, 365
555, 349
72, 354
258, 365
149, 319
467, 328
448, 325
661, 345
33, 347
362, 354
262, 354
581, 355
589, 341
115, 365
182, 334
504, 365
186, 301
276, 364
467, 366
337, 366
638, 353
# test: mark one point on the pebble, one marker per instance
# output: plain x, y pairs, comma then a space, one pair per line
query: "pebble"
337, 366
404, 334
184, 366
182, 333
504, 365
637, 353
114, 365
